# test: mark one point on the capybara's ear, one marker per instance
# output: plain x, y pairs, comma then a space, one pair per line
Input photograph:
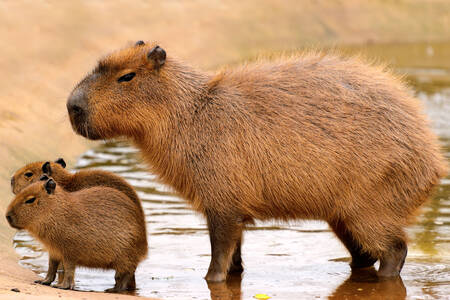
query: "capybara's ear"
43, 177
50, 186
139, 43
158, 56
46, 168
61, 162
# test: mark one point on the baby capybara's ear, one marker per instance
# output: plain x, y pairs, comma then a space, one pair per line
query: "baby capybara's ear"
46, 168
50, 186
61, 162
43, 177
158, 56
139, 43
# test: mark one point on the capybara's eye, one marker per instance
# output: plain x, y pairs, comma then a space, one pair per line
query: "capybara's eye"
28, 174
30, 200
126, 77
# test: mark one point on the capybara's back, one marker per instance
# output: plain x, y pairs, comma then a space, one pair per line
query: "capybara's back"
326, 138
314, 136
323, 137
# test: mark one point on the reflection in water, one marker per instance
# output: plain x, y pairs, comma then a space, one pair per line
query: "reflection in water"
285, 261
228, 290
364, 284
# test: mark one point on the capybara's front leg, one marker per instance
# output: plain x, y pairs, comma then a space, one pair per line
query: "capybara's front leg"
51, 273
224, 233
360, 259
69, 276
391, 263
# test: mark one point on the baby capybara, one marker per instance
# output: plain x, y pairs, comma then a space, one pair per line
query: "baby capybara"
97, 227
311, 136
71, 182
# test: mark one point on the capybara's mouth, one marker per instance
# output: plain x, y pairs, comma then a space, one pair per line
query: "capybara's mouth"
82, 127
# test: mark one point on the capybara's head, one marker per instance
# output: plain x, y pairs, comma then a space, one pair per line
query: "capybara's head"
116, 97
32, 172
31, 204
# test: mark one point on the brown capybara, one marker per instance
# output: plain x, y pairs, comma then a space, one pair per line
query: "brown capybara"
312, 136
97, 227
71, 182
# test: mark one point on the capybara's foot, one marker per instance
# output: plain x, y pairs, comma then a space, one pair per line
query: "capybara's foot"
214, 276
65, 286
392, 262
363, 260
124, 282
44, 281
113, 290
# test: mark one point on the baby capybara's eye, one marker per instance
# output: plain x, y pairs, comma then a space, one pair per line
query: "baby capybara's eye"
126, 77
28, 174
30, 200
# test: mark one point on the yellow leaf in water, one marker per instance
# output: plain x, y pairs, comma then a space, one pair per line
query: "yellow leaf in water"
261, 296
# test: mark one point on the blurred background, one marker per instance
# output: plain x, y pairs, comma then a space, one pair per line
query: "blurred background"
47, 46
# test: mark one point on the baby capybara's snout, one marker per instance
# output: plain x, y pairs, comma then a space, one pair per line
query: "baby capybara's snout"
10, 218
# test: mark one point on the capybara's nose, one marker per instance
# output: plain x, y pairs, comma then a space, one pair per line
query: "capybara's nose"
77, 103
9, 218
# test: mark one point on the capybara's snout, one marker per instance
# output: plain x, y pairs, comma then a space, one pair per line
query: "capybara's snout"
78, 109
10, 219
77, 104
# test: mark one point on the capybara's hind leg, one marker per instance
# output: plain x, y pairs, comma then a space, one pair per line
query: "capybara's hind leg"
69, 276
391, 262
360, 259
131, 286
51, 274
125, 281
224, 234
236, 261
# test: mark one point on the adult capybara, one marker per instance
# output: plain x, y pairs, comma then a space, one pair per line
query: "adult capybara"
97, 227
71, 182
312, 136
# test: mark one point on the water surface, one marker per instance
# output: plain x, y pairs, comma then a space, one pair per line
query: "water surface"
285, 261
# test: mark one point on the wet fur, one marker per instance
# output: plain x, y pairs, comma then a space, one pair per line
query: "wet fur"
311, 136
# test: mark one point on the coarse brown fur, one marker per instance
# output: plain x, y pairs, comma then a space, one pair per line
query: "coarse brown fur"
311, 136
97, 227
71, 182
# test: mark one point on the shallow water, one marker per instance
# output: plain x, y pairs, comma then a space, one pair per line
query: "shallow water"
284, 261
